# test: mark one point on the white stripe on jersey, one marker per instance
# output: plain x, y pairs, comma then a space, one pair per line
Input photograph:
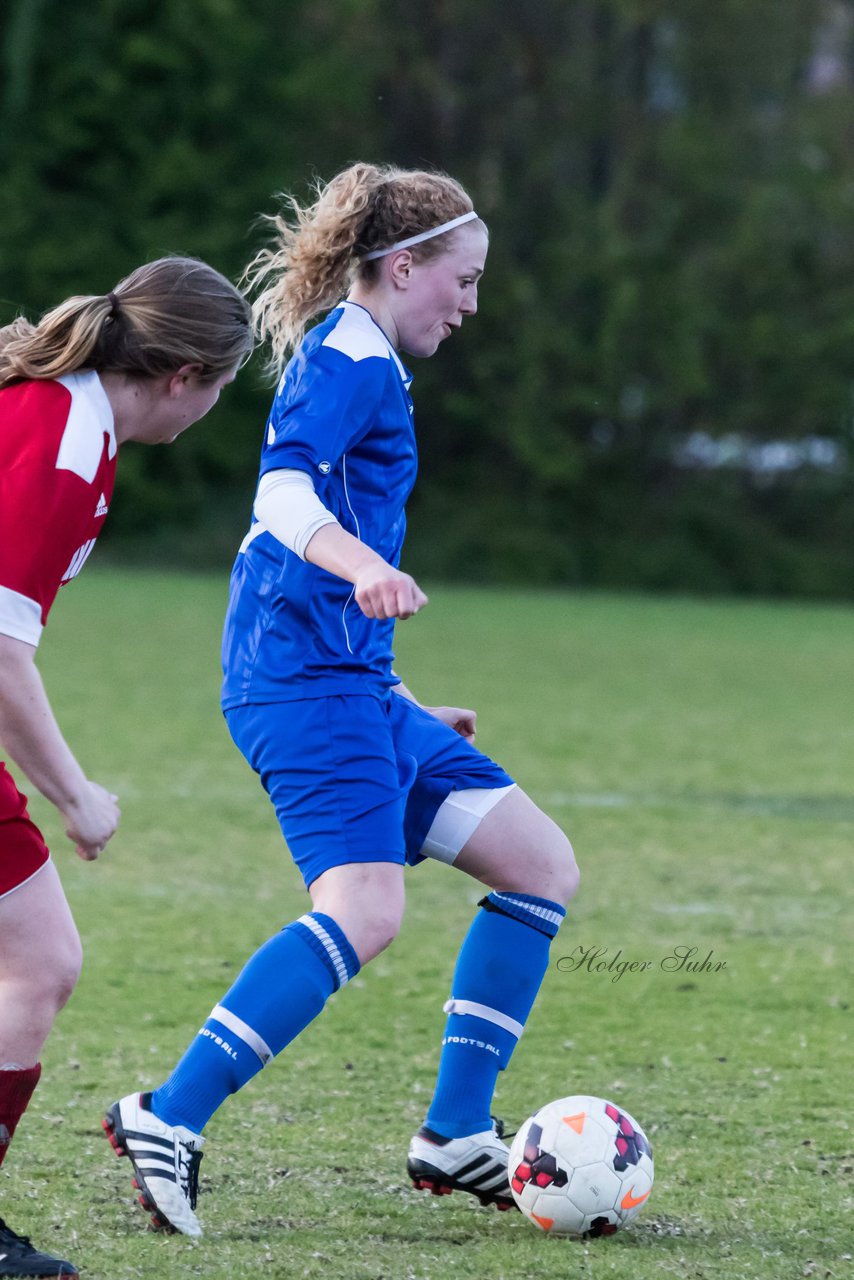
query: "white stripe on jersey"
81, 555
20, 617
358, 535
255, 532
90, 418
356, 334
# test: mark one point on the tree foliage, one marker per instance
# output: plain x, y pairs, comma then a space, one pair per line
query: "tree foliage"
669, 189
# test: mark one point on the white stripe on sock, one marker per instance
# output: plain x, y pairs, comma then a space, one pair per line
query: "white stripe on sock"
553, 917
239, 1028
330, 945
483, 1011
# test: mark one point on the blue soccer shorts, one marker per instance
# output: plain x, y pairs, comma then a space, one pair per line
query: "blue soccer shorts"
357, 778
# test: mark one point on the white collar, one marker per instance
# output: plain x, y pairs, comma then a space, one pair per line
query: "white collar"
87, 383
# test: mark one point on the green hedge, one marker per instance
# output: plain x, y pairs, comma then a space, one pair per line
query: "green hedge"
670, 203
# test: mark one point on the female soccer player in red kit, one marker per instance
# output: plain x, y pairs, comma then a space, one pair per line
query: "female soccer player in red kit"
143, 362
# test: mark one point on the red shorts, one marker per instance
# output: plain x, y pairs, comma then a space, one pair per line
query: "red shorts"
22, 848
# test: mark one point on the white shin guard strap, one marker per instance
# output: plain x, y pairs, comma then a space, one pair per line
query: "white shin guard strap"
483, 1011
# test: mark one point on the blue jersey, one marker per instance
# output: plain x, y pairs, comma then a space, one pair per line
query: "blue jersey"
343, 414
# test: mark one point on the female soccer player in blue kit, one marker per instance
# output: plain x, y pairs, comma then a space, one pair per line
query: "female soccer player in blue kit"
363, 778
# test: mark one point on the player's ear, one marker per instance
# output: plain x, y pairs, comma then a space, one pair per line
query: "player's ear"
181, 378
400, 268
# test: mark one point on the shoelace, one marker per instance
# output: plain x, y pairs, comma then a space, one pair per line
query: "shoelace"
501, 1130
189, 1173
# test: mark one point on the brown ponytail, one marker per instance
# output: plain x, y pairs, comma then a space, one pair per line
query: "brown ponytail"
165, 314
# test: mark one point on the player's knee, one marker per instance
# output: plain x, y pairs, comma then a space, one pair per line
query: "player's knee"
369, 926
377, 933
549, 870
558, 868
567, 875
366, 901
45, 975
60, 970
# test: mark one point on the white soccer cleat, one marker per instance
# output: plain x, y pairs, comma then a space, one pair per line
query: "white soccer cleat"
165, 1160
476, 1163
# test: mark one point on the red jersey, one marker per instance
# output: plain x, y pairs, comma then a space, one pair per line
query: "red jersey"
57, 469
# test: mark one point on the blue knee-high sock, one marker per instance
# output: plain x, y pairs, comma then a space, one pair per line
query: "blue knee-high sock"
499, 971
278, 993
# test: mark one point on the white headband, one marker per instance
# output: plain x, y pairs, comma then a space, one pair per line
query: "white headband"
425, 235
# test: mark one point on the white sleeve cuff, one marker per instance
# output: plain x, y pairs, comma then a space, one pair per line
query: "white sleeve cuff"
20, 617
288, 507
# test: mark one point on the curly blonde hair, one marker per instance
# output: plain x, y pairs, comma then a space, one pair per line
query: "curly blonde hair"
313, 259
165, 314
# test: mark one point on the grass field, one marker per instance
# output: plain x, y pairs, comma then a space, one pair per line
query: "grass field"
701, 757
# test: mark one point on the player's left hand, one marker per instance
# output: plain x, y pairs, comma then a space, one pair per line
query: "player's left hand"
460, 719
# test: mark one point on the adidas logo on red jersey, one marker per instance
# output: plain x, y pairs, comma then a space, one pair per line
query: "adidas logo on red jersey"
102, 507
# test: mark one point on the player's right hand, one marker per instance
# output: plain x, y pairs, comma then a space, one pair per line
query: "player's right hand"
384, 592
91, 819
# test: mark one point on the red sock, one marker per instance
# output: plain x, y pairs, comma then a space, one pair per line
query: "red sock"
16, 1089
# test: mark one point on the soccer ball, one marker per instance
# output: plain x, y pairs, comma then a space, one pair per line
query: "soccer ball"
580, 1166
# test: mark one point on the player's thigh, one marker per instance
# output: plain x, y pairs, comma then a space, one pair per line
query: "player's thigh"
39, 942
366, 899
440, 768
518, 848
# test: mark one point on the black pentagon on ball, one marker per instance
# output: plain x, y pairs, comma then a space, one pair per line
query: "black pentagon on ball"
600, 1227
538, 1166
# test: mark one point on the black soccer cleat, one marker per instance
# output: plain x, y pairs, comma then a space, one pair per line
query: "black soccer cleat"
19, 1258
476, 1164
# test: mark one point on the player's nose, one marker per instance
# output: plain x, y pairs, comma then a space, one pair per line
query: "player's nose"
468, 306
